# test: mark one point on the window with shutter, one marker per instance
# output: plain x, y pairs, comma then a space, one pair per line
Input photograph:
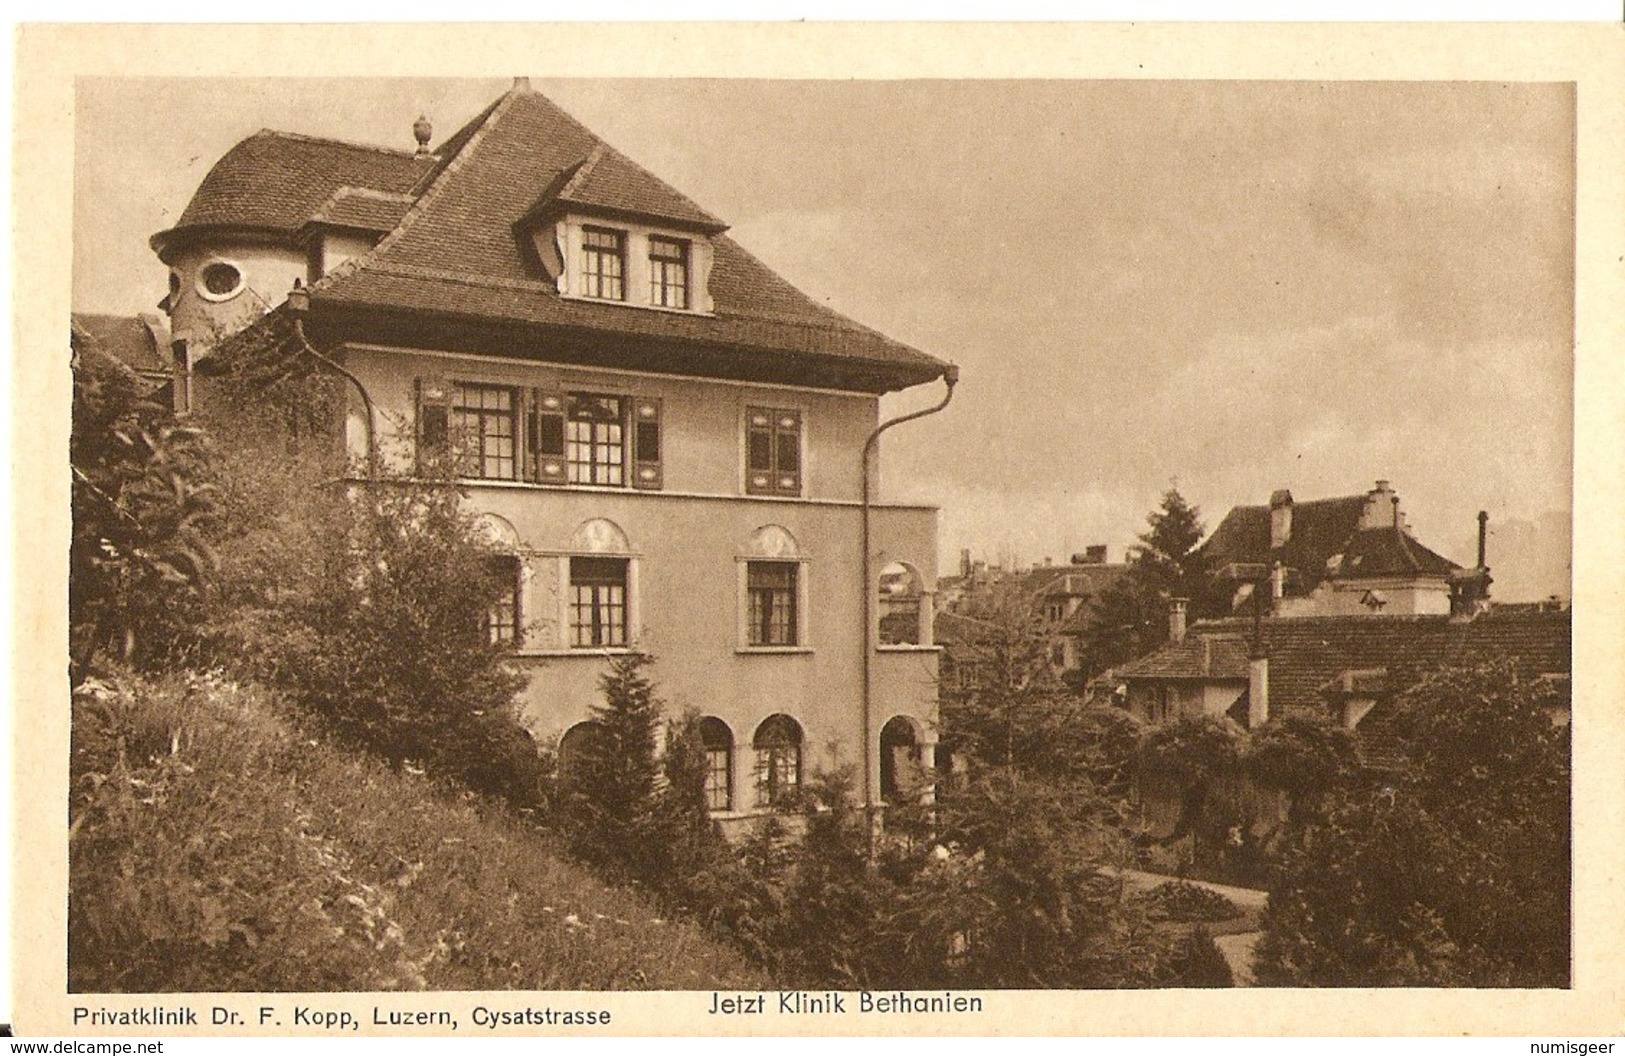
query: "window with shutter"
772, 451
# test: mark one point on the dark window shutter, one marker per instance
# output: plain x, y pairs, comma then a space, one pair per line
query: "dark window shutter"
759, 451
549, 423
646, 440
433, 420
787, 444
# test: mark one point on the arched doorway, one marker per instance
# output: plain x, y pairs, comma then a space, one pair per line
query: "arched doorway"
901, 776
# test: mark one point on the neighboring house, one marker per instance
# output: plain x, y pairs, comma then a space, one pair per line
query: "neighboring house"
140, 342
1348, 556
1062, 596
1346, 669
1066, 596
665, 438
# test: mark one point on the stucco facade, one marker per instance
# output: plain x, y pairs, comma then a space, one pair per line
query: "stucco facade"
687, 546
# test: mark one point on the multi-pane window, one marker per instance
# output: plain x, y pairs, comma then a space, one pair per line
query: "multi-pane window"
502, 619
595, 439
778, 760
719, 743
773, 452
482, 418
771, 586
603, 263
668, 272
597, 602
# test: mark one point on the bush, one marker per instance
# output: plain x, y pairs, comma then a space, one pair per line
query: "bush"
139, 557
1459, 874
1304, 758
393, 655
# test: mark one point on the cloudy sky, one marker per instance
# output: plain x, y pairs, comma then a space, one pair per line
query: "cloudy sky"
1235, 287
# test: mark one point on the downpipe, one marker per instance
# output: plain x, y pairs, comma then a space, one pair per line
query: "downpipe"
950, 377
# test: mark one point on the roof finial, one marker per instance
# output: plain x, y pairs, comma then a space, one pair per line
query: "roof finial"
521, 84
421, 131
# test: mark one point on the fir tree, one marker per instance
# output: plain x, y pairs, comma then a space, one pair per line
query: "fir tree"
611, 798
1131, 615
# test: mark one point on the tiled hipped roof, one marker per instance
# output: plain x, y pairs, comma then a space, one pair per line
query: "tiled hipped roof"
276, 181
458, 255
1325, 540
1314, 661
1307, 653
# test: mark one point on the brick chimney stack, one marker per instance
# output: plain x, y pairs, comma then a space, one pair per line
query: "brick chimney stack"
1176, 619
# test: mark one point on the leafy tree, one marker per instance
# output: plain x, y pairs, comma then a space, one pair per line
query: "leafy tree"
1005, 705
1458, 874
1131, 615
394, 655
1192, 754
139, 559
1306, 758
835, 899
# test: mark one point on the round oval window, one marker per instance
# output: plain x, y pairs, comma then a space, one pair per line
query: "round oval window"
220, 279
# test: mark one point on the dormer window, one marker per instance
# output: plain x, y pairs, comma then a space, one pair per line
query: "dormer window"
603, 264
668, 272
665, 269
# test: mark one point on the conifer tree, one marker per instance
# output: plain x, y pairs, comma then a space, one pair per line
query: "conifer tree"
1131, 616
614, 780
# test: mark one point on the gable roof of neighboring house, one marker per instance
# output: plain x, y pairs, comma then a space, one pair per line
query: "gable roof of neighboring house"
140, 342
459, 259
1325, 541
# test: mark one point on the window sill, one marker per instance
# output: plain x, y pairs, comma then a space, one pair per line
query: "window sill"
908, 647
582, 298
600, 652
772, 650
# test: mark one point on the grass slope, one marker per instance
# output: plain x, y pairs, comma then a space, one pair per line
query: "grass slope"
213, 848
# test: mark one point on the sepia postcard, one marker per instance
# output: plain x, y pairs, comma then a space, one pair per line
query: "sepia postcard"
961, 529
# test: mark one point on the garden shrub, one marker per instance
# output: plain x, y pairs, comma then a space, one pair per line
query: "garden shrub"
1184, 902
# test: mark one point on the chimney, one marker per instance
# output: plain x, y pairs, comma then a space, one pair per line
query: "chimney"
1258, 689
1483, 528
1280, 518
1277, 581
964, 562
1176, 619
521, 84
1381, 508
1092, 555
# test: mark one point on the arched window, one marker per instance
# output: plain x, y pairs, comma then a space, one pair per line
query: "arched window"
778, 760
719, 763
899, 760
900, 594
